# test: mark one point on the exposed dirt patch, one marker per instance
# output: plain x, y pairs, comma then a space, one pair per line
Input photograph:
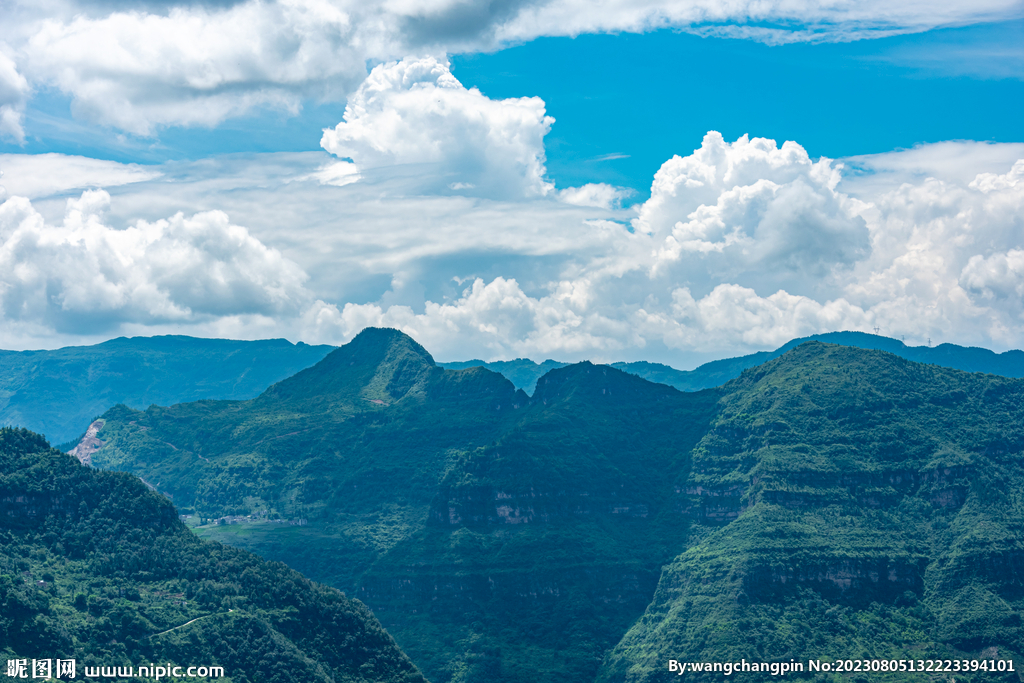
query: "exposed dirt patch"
89, 444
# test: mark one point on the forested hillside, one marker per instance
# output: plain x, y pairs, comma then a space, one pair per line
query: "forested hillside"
95, 567
855, 505
57, 393
833, 502
498, 538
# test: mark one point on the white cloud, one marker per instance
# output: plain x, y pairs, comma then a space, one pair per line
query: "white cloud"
83, 275
195, 65
498, 319
732, 315
416, 112
42, 175
599, 195
161, 65
999, 276
799, 20
339, 173
752, 213
956, 162
784, 252
14, 93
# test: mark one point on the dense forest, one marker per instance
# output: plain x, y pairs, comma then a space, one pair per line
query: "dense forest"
832, 502
97, 568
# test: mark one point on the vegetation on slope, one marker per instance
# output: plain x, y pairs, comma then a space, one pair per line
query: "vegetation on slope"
878, 515
94, 567
498, 538
830, 503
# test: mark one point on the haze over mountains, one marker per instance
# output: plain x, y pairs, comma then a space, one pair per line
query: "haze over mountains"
57, 393
831, 502
524, 372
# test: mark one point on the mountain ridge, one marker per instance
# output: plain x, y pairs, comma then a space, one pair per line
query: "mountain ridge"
395, 488
60, 392
524, 372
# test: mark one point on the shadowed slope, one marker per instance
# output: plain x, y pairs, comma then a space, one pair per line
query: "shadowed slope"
499, 538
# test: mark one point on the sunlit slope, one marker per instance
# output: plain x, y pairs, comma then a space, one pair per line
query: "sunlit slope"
498, 538
96, 568
858, 505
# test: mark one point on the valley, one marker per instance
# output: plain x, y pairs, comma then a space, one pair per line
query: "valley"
831, 502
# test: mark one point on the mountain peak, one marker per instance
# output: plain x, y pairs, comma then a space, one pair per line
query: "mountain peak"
376, 339
379, 364
588, 381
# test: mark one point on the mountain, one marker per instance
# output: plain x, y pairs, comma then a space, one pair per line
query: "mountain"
855, 505
832, 502
96, 568
524, 372
498, 538
58, 393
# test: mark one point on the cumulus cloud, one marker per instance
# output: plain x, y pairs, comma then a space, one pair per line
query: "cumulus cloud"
942, 258
84, 275
416, 112
742, 246
497, 319
14, 93
738, 211
143, 66
936, 259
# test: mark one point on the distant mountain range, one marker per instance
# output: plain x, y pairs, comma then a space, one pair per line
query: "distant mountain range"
524, 372
832, 502
57, 393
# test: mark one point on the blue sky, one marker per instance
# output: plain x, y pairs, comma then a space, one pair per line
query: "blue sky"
836, 99
674, 180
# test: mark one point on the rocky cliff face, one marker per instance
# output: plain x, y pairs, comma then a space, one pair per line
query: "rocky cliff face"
841, 488
88, 444
485, 506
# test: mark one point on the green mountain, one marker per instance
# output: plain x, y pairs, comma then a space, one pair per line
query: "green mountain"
856, 506
524, 373
498, 538
833, 502
96, 568
57, 393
